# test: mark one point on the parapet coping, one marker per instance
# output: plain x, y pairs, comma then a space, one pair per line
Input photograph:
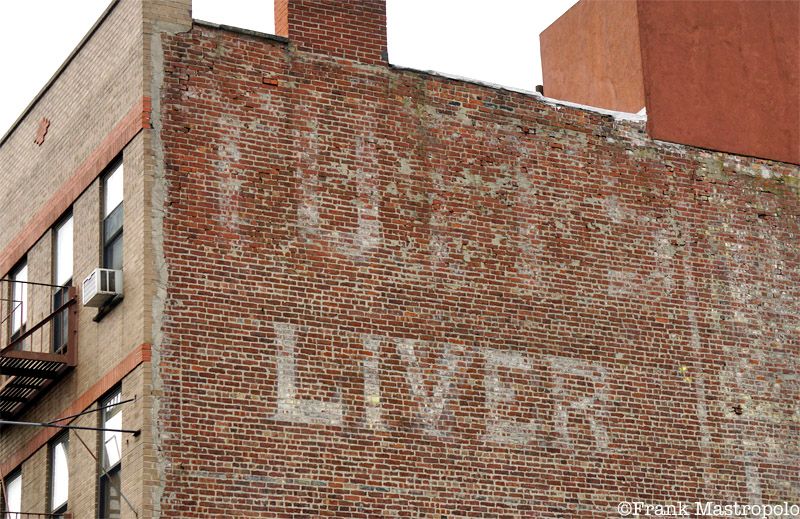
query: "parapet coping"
619, 116
240, 30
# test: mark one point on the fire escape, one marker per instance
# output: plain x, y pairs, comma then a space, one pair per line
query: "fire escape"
35, 357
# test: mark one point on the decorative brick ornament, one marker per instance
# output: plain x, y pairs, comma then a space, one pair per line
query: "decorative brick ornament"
41, 132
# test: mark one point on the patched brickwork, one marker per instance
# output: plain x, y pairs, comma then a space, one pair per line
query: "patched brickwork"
395, 294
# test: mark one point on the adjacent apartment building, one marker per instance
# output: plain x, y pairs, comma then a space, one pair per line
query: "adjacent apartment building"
250, 275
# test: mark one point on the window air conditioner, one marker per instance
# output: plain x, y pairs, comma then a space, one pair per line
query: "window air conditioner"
101, 286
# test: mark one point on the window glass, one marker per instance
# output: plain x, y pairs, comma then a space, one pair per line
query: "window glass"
112, 191
112, 225
61, 321
19, 296
112, 254
14, 499
113, 216
63, 259
62, 266
112, 440
59, 482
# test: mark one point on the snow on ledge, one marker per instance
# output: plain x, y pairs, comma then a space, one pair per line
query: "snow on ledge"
640, 116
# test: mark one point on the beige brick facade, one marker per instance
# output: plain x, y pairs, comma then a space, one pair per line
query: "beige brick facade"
98, 110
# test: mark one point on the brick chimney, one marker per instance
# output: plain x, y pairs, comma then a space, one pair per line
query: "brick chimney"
354, 30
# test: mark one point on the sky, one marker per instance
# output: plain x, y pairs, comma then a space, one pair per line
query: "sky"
494, 41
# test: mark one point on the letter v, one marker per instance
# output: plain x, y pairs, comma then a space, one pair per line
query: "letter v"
432, 403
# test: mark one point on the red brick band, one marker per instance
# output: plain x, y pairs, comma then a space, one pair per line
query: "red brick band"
134, 121
114, 376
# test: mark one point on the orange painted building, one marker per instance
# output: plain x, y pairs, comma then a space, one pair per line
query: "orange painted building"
717, 75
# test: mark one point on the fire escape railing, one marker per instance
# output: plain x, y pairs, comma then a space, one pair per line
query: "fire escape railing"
29, 367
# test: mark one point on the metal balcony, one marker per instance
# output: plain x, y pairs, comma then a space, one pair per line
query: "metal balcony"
27, 372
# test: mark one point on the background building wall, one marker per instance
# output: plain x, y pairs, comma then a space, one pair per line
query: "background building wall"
395, 293
91, 96
591, 55
732, 71
102, 348
716, 75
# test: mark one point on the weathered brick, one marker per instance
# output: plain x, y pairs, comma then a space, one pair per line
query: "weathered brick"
379, 292
393, 293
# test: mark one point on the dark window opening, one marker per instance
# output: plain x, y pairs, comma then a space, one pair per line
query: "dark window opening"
111, 457
113, 216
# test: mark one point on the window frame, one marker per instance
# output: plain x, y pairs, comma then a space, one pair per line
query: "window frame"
60, 324
13, 331
58, 508
112, 221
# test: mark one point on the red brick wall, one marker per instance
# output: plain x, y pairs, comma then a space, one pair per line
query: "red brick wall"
393, 293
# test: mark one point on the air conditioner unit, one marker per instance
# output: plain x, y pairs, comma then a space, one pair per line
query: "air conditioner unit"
101, 286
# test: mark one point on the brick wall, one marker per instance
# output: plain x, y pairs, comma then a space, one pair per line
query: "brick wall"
392, 293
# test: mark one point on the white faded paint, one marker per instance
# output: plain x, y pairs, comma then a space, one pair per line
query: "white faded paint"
372, 383
499, 429
752, 479
439, 222
367, 236
592, 406
701, 408
308, 205
622, 282
433, 380
432, 404
290, 407
531, 248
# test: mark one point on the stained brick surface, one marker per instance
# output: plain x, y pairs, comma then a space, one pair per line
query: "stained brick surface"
395, 294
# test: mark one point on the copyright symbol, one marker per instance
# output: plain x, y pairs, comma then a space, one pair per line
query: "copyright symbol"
625, 508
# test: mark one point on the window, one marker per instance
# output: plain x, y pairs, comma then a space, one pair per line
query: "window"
19, 301
112, 218
111, 462
63, 252
62, 276
14, 496
59, 475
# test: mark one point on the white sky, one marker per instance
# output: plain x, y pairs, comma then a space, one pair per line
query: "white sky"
495, 41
